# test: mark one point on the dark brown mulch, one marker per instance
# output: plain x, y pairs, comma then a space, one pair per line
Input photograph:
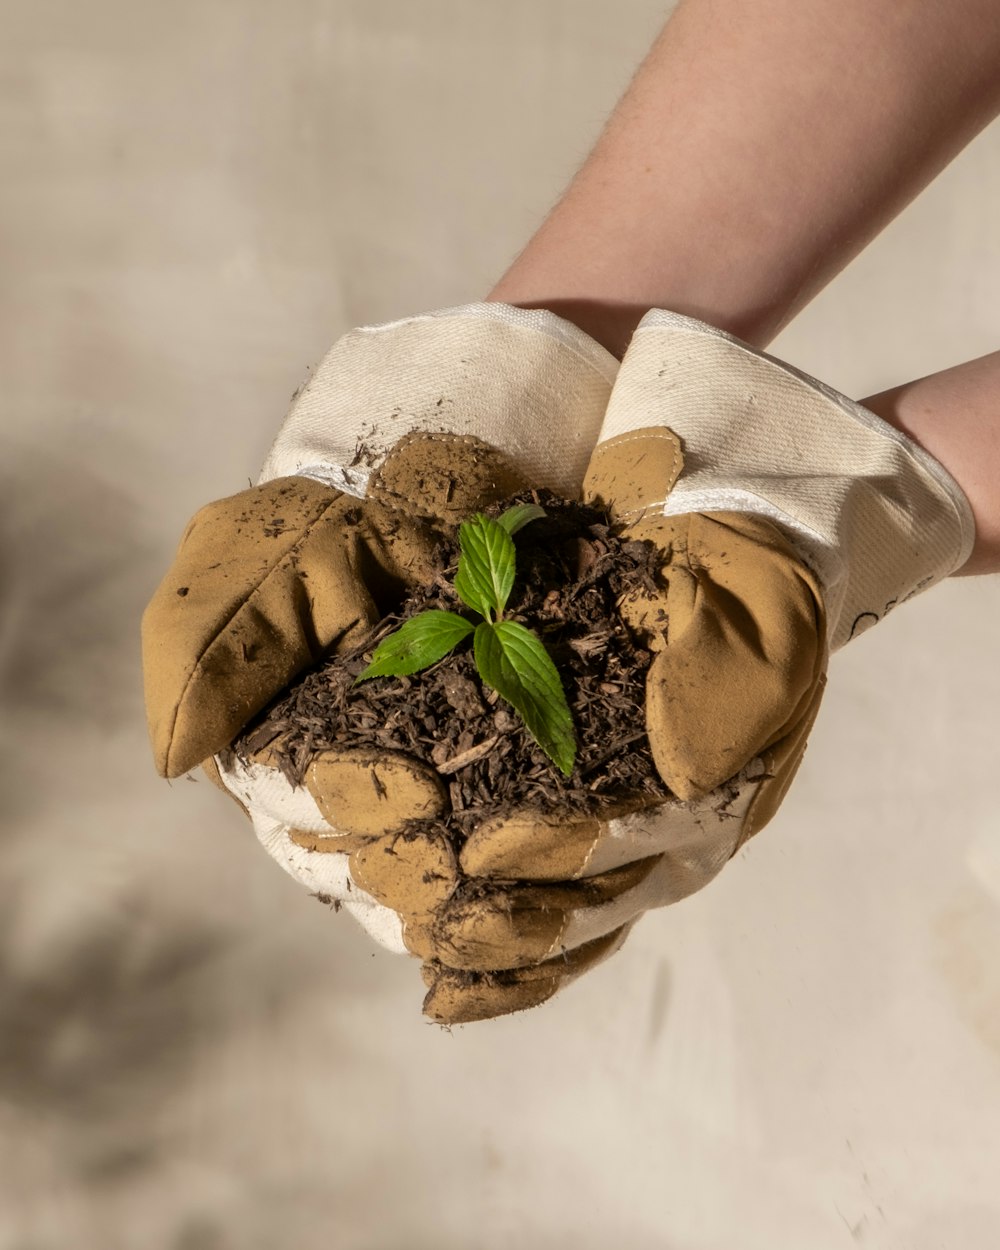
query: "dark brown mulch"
571, 571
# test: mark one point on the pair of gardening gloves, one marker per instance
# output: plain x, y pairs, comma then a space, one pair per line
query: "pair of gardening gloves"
786, 518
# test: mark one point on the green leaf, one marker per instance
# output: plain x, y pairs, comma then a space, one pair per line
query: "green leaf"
519, 516
417, 644
514, 662
486, 566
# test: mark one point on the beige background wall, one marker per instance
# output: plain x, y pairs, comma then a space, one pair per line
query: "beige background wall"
197, 198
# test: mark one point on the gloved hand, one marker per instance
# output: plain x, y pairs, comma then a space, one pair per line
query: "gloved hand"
789, 519
403, 430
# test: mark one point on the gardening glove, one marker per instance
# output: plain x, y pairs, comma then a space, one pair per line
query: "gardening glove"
401, 432
789, 519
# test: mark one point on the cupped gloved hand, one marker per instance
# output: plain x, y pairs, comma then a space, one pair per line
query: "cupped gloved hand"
403, 430
788, 519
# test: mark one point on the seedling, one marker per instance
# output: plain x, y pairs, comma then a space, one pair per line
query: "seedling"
509, 657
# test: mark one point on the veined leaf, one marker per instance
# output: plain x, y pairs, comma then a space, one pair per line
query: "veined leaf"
514, 662
519, 516
486, 566
418, 643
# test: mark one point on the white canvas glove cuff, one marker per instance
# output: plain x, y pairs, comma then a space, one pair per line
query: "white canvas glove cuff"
525, 381
874, 516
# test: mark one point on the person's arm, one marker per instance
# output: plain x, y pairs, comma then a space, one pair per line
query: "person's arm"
759, 148
955, 415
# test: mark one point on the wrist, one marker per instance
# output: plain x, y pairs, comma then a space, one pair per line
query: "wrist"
602, 261
952, 416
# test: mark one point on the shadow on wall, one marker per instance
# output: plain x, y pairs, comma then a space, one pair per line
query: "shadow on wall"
142, 966
109, 1012
75, 555
108, 989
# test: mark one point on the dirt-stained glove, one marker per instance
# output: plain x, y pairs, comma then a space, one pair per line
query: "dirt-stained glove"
789, 519
402, 431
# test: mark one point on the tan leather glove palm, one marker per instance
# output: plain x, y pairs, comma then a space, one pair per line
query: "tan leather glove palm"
738, 632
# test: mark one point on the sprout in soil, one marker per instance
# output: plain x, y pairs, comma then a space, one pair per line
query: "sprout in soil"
508, 656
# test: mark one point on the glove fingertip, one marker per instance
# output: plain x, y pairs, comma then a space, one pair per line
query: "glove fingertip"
374, 792
456, 997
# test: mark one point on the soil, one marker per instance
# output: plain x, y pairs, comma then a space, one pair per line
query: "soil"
572, 570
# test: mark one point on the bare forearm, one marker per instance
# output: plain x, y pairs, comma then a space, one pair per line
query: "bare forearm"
759, 148
955, 415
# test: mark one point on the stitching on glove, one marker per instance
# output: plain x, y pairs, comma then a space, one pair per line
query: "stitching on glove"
557, 948
379, 492
634, 513
649, 431
663, 434
601, 827
750, 823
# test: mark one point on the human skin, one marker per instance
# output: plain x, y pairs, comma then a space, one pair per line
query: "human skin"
759, 148
955, 415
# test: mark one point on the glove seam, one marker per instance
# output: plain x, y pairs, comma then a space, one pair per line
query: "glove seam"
665, 434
